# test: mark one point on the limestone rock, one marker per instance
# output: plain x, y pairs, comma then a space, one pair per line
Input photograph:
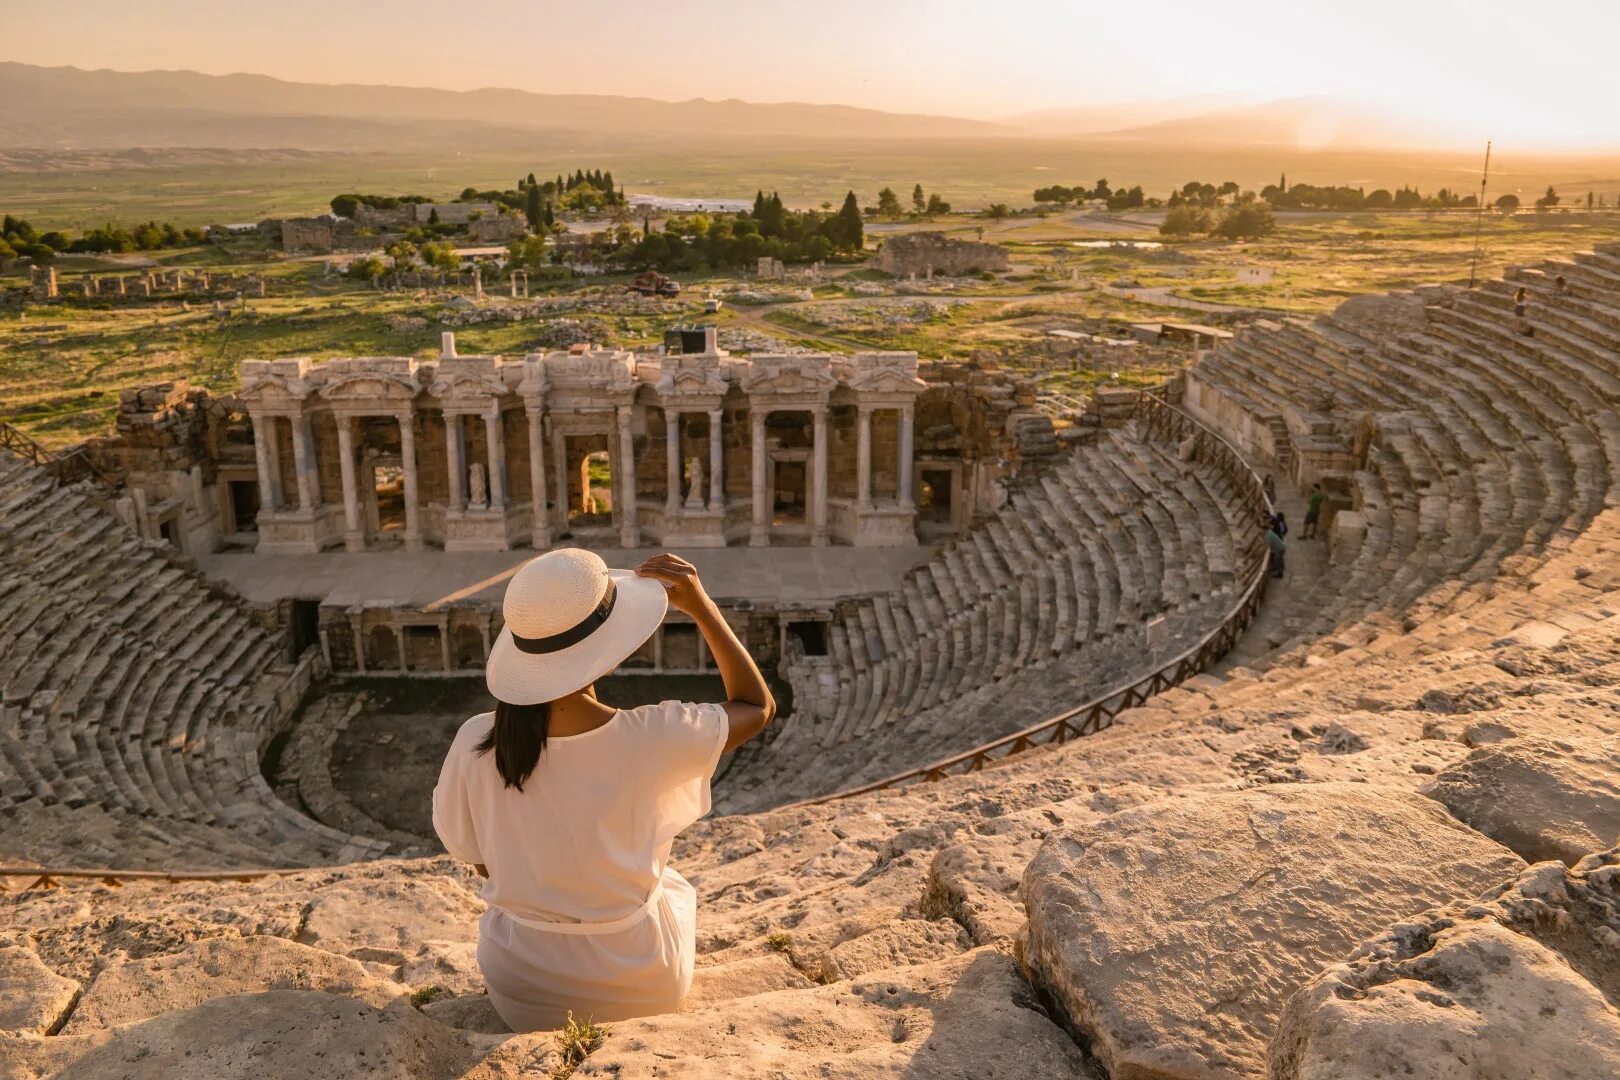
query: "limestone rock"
393, 913
34, 997
1520, 984
130, 990
1544, 798
1172, 934
282, 1033
471, 1013
900, 943
970, 1016
449, 965
752, 975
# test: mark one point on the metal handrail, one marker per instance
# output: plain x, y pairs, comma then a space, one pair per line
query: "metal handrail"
1160, 417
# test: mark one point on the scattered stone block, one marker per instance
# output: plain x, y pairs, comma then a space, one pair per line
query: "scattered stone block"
1544, 798
1172, 934
1522, 983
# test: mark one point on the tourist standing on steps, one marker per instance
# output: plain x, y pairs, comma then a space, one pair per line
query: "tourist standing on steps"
568, 807
1269, 486
1522, 324
1279, 548
1313, 512
1279, 523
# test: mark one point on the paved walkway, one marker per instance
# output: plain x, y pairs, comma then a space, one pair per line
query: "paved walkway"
1303, 565
801, 575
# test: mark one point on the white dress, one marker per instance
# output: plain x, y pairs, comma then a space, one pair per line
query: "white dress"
585, 913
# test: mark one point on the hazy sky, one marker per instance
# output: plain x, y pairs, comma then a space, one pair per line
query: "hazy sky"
1542, 73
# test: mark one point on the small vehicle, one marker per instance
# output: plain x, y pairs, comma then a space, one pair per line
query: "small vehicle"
652, 283
711, 305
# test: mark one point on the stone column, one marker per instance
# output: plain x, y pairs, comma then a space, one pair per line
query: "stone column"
863, 458
495, 438
629, 531
455, 455
559, 454
759, 532
407, 451
359, 642
818, 479
264, 442
717, 453
540, 523
353, 538
906, 438
303, 465
672, 472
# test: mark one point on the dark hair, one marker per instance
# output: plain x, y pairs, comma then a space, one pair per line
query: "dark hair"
518, 737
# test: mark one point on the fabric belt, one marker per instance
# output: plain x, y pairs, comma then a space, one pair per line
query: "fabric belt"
589, 927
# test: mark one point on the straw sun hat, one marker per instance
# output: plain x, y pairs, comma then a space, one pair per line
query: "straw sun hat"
569, 621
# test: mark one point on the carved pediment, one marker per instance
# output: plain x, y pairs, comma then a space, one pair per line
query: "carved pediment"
369, 386
467, 386
267, 382
881, 373
692, 376
602, 370
799, 375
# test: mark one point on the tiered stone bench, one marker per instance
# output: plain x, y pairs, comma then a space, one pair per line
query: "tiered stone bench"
136, 699
1045, 605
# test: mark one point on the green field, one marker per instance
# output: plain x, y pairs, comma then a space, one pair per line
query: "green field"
62, 364
249, 186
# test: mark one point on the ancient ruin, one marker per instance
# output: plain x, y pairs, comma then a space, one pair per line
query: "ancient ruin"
1361, 823
925, 254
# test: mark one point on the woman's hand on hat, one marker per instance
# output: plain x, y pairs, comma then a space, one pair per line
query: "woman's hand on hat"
680, 580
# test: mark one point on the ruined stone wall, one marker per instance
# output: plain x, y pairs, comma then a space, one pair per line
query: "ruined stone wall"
932, 252
455, 213
310, 234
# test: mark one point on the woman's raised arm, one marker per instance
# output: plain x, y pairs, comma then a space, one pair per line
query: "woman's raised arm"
750, 705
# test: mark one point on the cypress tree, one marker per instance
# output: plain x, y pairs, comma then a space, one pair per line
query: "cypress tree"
532, 209
851, 232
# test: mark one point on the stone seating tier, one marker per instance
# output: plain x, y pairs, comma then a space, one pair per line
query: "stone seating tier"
134, 695
1044, 605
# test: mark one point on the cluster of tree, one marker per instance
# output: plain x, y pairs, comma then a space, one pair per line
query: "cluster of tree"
1121, 199
708, 242
19, 239
888, 204
698, 241
1312, 197
346, 205
1245, 218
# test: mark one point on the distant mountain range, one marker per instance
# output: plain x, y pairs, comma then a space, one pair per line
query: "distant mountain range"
66, 106
68, 109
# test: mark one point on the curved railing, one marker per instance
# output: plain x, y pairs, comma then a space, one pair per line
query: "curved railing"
67, 467
1158, 418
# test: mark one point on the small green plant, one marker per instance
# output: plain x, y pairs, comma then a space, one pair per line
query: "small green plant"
781, 943
579, 1039
422, 995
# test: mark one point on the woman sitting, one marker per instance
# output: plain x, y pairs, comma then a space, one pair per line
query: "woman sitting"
568, 807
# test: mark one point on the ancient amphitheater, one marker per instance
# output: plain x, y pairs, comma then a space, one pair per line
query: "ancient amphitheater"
1069, 792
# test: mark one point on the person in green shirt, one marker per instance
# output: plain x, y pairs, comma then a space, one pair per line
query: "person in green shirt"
1313, 512
1278, 546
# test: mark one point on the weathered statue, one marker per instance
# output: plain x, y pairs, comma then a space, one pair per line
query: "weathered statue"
478, 485
694, 484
